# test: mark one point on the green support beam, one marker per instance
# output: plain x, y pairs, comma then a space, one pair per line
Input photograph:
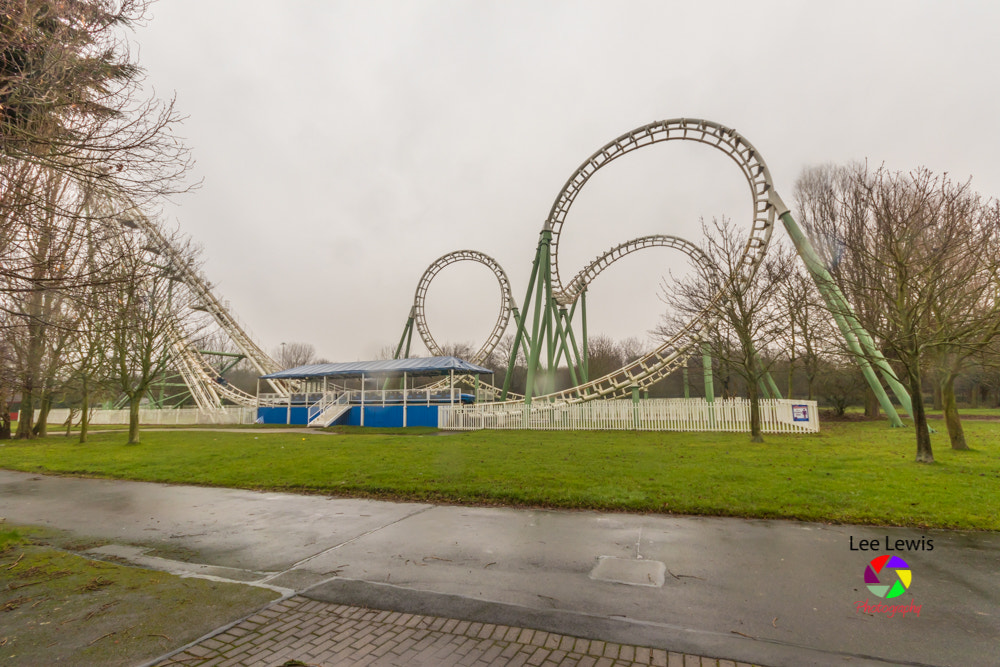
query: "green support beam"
858, 340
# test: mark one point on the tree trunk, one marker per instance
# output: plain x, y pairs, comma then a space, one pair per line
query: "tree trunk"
924, 452
133, 419
754, 396
41, 427
26, 416
84, 409
69, 421
955, 431
872, 408
4, 420
939, 394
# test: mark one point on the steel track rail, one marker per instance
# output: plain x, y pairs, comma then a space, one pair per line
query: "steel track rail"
507, 303
193, 365
508, 306
662, 361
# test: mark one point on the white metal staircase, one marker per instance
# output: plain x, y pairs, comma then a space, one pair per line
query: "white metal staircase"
328, 409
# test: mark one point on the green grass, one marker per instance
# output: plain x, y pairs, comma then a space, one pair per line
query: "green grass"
9, 537
861, 472
62, 608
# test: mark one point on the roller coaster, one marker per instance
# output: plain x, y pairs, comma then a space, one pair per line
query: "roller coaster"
201, 380
553, 310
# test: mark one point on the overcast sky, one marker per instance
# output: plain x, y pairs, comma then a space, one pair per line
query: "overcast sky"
344, 146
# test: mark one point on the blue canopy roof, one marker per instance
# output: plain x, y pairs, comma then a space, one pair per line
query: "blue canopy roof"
416, 366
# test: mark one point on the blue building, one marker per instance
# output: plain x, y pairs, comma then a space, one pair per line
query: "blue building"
393, 393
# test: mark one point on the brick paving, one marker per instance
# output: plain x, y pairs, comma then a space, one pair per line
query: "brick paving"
300, 631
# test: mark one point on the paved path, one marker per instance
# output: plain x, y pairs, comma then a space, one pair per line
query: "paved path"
326, 634
774, 593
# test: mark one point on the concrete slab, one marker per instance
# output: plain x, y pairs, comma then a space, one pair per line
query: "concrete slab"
628, 571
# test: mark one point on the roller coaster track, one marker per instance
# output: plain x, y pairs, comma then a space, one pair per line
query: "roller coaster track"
662, 361
706, 132
197, 372
507, 305
576, 286
202, 380
589, 273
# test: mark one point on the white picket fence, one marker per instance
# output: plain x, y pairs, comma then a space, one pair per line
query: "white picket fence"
695, 414
189, 416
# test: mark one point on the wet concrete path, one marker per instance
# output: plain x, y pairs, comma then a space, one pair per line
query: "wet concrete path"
769, 592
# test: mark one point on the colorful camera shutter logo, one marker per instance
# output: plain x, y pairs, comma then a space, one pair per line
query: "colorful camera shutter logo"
888, 576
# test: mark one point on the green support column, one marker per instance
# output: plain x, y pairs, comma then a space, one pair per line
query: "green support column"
540, 276
525, 342
765, 391
569, 342
772, 385
859, 343
407, 334
635, 406
585, 372
687, 385
563, 345
552, 338
405, 338
522, 333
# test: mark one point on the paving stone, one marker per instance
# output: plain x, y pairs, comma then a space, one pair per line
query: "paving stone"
319, 633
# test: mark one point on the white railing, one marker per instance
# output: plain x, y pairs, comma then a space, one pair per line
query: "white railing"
696, 414
372, 397
152, 417
327, 408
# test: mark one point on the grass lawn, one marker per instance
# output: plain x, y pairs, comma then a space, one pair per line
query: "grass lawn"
851, 472
61, 608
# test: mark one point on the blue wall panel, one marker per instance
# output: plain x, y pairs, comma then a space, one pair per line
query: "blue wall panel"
387, 417
422, 415
279, 415
392, 416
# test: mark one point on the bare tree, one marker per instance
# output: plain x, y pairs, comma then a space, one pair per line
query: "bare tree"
71, 101
749, 321
290, 355
43, 256
8, 379
603, 355
915, 254
809, 332
843, 384
631, 348
499, 360
75, 127
142, 317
